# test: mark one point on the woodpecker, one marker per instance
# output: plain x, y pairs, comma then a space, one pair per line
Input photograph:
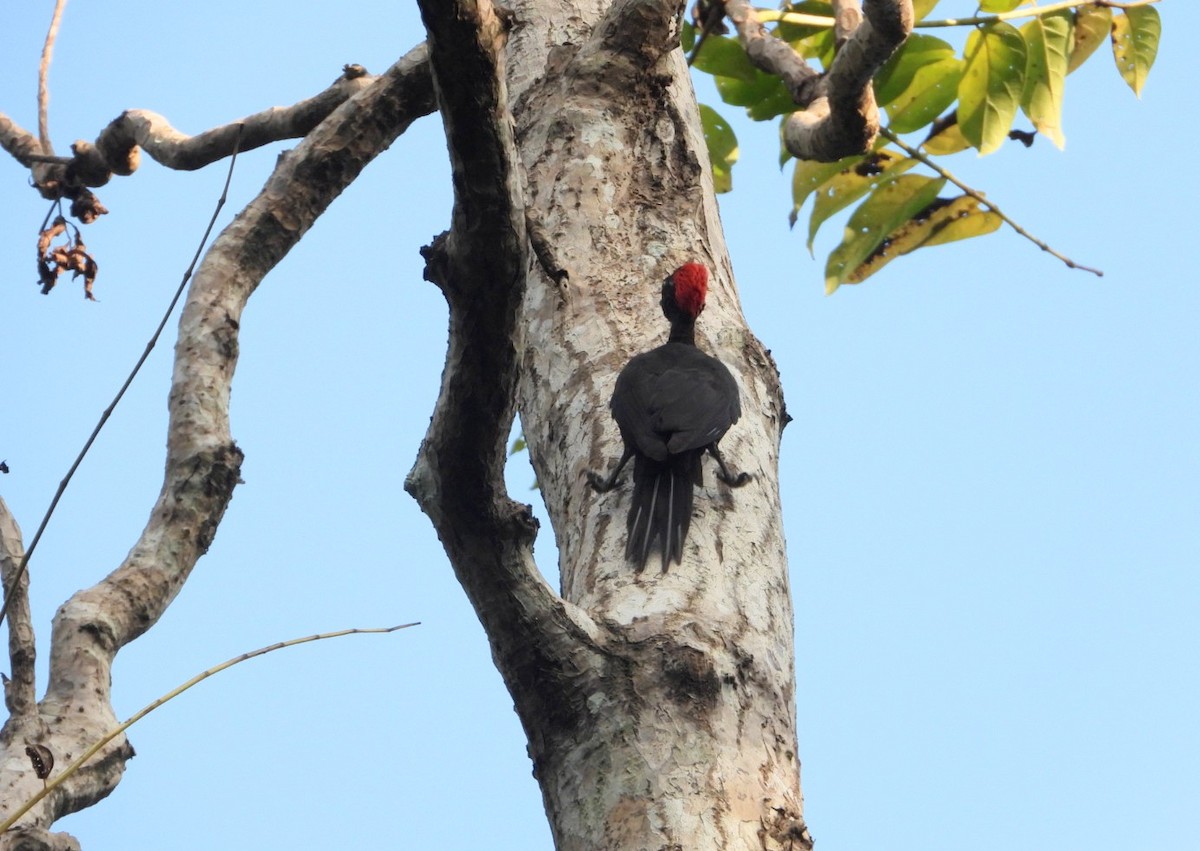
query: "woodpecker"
672, 404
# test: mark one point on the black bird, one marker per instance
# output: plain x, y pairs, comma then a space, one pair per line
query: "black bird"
672, 404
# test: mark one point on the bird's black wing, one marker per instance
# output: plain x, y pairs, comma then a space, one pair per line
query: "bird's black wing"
674, 399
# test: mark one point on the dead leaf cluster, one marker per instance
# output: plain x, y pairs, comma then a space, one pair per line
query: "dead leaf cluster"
68, 256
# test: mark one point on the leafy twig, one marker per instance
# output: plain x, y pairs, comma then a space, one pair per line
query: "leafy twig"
916, 154
1032, 12
173, 693
62, 486
767, 16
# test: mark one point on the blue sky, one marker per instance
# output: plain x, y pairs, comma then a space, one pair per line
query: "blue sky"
990, 485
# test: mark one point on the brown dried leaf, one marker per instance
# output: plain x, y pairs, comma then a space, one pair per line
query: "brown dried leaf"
47, 275
87, 207
82, 263
73, 256
58, 226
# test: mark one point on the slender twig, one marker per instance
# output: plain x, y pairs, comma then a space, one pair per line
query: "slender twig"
767, 16
711, 13
1032, 12
916, 154
43, 78
49, 159
173, 693
62, 486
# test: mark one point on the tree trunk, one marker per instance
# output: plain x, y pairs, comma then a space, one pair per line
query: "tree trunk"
659, 706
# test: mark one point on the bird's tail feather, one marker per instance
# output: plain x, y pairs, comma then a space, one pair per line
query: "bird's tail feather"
661, 511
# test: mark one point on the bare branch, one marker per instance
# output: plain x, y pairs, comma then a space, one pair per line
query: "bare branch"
845, 120
43, 79
847, 16
202, 461
66, 480
116, 149
98, 745
480, 265
772, 55
20, 693
116, 145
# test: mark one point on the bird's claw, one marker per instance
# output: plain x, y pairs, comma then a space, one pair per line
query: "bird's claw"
735, 481
600, 484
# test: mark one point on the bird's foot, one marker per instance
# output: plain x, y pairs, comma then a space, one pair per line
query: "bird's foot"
734, 481
600, 484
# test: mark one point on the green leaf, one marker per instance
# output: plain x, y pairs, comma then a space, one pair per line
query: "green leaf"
1048, 39
999, 5
948, 140
891, 204
921, 8
1092, 27
722, 147
723, 57
687, 36
850, 184
810, 174
990, 90
943, 220
934, 87
961, 219
764, 97
820, 47
896, 75
1135, 35
794, 33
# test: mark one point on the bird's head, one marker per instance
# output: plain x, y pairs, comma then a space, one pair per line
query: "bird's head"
686, 287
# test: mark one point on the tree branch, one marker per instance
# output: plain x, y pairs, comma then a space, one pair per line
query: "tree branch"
20, 693
772, 55
837, 116
458, 478
116, 149
640, 31
202, 461
845, 119
1030, 12
847, 16
43, 79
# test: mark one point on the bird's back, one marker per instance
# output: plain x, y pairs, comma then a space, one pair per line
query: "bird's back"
674, 399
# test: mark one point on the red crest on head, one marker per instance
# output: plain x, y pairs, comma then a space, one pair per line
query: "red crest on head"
691, 286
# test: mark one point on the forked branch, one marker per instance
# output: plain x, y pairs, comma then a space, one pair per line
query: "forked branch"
480, 265
837, 116
202, 462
